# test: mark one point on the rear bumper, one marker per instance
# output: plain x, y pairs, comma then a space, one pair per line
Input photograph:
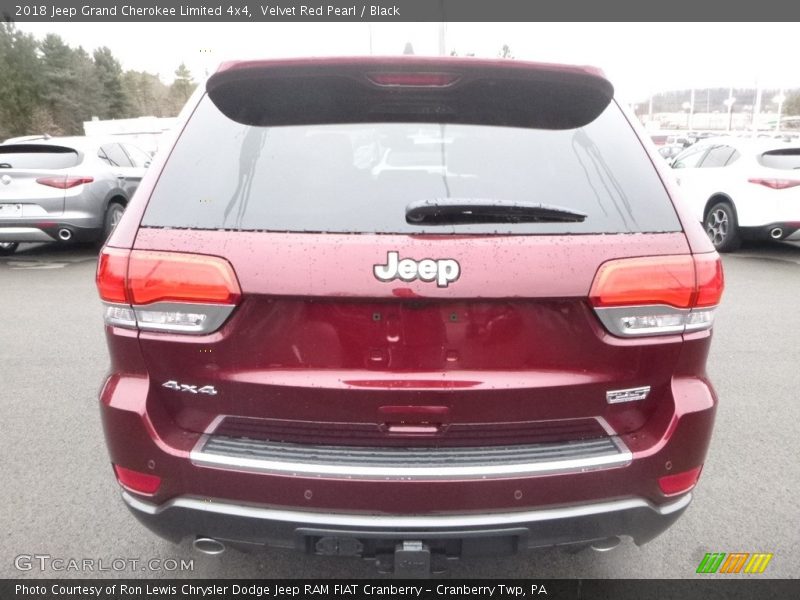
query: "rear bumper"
82, 228
538, 506
785, 230
256, 525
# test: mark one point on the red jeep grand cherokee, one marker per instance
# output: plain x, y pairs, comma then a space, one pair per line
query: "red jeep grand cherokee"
407, 307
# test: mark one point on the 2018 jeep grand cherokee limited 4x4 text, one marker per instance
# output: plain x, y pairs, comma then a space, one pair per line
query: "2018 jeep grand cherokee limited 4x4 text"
442, 305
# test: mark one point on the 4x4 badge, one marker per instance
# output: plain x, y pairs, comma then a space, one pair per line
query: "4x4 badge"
192, 389
443, 271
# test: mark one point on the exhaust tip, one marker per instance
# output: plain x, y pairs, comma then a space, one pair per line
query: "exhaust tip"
776, 233
64, 234
208, 546
606, 544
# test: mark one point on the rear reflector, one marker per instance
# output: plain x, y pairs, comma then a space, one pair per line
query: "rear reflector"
775, 184
657, 295
679, 483
166, 291
140, 483
64, 182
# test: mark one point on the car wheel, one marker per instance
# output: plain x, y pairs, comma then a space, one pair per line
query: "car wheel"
113, 215
722, 228
7, 248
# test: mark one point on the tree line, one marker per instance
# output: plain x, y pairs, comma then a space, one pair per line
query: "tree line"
50, 87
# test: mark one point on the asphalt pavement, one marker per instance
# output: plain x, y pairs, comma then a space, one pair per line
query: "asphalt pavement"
59, 498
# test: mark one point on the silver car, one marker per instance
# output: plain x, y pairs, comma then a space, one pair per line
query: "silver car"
65, 189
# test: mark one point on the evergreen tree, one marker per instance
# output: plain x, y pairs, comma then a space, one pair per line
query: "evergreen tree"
20, 82
791, 108
109, 73
182, 87
147, 95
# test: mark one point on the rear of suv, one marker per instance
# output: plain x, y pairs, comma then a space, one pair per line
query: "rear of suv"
406, 309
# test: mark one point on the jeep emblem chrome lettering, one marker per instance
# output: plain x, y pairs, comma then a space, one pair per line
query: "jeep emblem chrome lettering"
442, 271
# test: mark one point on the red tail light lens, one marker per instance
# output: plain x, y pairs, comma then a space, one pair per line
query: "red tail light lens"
166, 291
175, 277
651, 280
64, 182
140, 483
775, 184
657, 295
402, 79
710, 280
112, 270
679, 483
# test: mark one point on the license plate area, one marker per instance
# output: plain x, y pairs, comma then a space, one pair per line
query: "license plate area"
9, 210
454, 543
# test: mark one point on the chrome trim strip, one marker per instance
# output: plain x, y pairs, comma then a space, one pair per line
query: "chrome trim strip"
623, 457
606, 425
383, 472
399, 521
212, 427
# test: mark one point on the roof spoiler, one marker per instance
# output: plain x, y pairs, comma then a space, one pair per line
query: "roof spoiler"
409, 89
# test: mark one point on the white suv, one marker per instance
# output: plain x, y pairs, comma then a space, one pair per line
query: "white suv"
742, 188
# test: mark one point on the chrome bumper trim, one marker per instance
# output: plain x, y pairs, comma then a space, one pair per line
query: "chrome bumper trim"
321, 461
401, 521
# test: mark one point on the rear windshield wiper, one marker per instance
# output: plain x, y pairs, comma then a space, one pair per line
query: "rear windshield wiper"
459, 211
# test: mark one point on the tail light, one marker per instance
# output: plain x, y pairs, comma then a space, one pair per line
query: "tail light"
166, 291
141, 483
657, 295
64, 182
775, 184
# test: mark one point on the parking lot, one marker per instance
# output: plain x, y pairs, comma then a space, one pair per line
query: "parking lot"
60, 498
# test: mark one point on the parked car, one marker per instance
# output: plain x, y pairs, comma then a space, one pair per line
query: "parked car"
65, 189
679, 140
27, 138
668, 152
503, 352
742, 188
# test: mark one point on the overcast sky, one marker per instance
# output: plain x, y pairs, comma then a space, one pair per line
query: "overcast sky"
639, 58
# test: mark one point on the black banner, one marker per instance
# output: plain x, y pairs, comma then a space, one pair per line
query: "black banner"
395, 10
246, 589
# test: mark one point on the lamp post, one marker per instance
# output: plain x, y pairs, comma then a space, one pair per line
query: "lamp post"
779, 100
687, 107
728, 102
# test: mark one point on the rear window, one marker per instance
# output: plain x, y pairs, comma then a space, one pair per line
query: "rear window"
787, 159
37, 157
361, 177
